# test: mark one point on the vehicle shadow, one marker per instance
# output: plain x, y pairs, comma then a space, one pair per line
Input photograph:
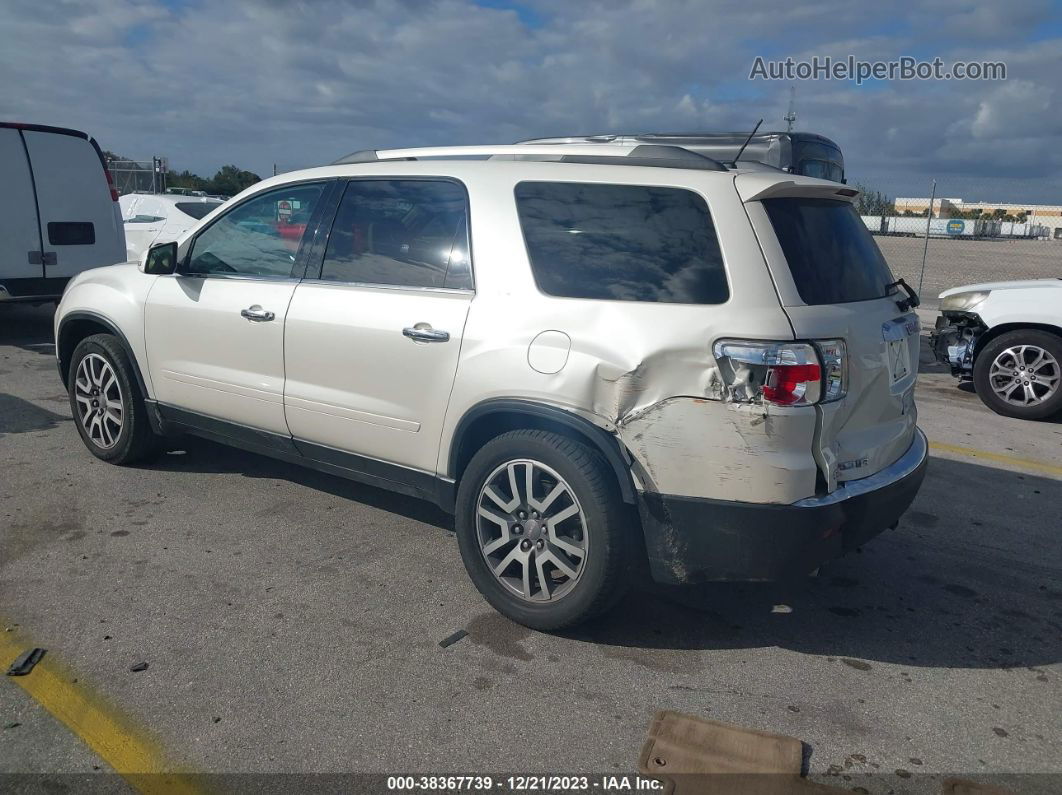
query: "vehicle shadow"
28, 327
22, 416
970, 579
191, 454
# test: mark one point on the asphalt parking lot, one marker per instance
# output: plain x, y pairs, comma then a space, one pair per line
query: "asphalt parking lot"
291, 621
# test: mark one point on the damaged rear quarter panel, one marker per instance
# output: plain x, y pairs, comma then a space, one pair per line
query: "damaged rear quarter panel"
641, 370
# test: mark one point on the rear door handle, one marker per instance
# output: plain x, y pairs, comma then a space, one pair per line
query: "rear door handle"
257, 314
427, 334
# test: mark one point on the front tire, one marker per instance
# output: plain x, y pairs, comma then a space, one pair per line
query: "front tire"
543, 531
106, 402
1019, 374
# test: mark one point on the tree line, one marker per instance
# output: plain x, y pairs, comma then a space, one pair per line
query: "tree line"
872, 202
228, 181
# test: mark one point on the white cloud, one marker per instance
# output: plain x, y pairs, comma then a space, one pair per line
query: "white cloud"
255, 83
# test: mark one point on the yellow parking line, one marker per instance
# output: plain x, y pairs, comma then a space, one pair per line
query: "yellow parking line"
132, 755
1022, 463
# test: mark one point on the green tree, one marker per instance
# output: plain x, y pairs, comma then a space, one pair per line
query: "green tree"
230, 180
185, 179
872, 202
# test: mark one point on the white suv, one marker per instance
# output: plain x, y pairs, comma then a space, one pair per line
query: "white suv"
626, 352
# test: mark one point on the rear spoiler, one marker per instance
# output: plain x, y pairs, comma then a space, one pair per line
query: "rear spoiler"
756, 186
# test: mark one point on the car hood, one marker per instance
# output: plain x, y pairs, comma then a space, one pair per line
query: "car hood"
1020, 284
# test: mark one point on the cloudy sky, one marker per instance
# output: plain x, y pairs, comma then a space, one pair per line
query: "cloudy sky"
301, 83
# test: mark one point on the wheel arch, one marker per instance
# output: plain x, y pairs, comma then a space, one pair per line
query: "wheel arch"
1003, 328
76, 326
493, 417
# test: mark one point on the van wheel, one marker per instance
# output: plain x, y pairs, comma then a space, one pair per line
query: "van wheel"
105, 400
543, 531
1019, 374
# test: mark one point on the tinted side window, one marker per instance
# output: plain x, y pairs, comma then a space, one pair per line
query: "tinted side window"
405, 233
831, 255
260, 237
197, 210
621, 242
71, 233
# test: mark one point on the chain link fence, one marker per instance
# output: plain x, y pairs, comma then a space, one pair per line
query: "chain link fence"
138, 176
978, 231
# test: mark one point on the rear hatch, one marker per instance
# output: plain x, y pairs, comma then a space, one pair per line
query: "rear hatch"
835, 284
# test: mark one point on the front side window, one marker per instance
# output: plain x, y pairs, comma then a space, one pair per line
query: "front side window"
260, 237
621, 242
401, 233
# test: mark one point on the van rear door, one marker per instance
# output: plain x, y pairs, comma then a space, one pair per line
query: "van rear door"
835, 284
20, 239
80, 223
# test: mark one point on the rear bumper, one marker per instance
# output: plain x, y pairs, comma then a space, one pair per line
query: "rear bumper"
692, 539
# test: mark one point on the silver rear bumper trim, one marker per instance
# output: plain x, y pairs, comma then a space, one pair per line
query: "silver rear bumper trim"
898, 470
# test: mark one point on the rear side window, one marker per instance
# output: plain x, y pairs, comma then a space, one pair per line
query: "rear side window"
400, 233
831, 255
621, 242
197, 209
71, 233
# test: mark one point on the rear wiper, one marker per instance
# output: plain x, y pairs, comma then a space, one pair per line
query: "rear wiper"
912, 299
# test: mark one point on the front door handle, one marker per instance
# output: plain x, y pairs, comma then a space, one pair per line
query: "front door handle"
424, 333
257, 314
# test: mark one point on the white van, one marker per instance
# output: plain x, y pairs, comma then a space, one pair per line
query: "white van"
59, 212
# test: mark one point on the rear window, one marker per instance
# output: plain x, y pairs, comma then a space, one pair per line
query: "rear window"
197, 209
621, 242
831, 255
71, 233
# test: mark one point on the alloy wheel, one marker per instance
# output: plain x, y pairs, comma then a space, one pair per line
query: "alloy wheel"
531, 530
99, 400
1024, 375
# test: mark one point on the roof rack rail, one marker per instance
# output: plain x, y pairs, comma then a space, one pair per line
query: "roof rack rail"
654, 155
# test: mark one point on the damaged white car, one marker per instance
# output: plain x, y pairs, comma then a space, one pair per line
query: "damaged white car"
627, 351
1005, 337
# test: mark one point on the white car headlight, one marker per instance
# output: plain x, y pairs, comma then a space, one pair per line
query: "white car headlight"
963, 302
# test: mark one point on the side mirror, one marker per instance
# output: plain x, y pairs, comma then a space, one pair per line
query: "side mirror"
161, 260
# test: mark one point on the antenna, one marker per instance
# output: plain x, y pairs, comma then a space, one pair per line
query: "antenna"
742, 149
790, 115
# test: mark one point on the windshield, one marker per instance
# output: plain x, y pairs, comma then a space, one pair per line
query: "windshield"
814, 159
197, 209
831, 255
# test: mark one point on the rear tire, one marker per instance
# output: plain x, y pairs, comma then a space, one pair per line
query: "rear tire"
1019, 374
552, 556
107, 404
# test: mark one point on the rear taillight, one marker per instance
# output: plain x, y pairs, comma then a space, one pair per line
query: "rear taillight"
782, 373
110, 184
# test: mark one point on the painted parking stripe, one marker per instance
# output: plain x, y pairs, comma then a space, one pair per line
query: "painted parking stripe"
1020, 463
130, 752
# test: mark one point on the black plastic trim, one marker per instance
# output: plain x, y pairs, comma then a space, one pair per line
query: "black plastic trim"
113, 329
606, 443
695, 540
373, 472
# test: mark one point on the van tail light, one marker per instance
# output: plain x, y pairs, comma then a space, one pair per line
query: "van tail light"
110, 184
782, 373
